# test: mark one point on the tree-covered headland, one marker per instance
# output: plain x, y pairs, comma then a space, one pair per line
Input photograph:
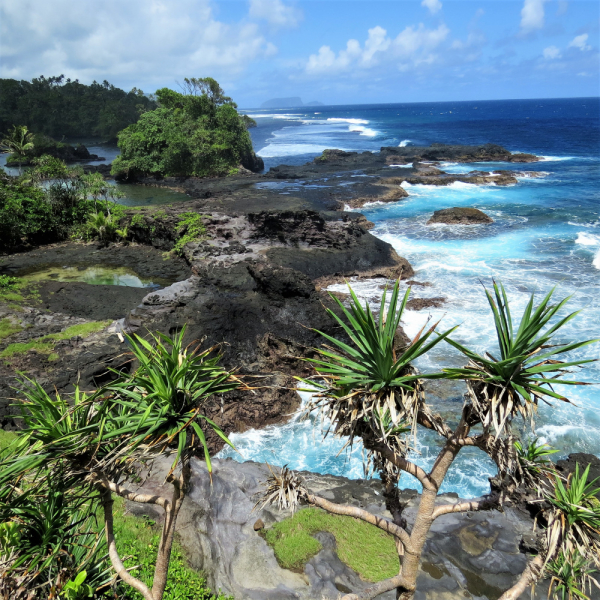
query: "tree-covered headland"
62, 108
198, 132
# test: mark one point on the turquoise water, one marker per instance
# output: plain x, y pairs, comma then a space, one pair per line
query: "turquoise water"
93, 275
546, 233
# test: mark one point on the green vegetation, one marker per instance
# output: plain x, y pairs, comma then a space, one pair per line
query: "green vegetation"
367, 388
75, 452
6, 439
48, 202
503, 388
59, 107
197, 133
45, 344
363, 547
137, 538
8, 283
8, 328
18, 142
190, 228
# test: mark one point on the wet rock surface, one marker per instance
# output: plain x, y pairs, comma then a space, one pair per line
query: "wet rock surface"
248, 284
467, 555
460, 216
338, 179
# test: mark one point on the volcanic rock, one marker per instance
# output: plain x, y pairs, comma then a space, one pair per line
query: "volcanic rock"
459, 216
472, 555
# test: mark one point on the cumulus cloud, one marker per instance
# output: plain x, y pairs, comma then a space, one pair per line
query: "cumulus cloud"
130, 43
532, 15
434, 6
411, 47
580, 42
551, 52
275, 12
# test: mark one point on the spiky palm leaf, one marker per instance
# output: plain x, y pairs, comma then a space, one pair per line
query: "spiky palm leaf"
161, 402
571, 577
527, 369
371, 390
533, 469
574, 525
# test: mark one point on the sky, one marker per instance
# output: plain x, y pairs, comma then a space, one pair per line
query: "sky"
333, 51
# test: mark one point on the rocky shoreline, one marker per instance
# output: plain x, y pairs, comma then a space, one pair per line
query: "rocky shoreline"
474, 555
253, 283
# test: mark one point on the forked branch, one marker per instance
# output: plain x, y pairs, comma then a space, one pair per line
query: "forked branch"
132, 496
405, 465
115, 559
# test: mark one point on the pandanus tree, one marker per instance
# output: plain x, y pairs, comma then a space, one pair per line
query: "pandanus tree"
367, 388
81, 453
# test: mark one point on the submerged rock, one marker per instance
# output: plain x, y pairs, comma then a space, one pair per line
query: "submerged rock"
459, 216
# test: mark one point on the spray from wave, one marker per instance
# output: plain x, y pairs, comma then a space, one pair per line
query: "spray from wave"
591, 241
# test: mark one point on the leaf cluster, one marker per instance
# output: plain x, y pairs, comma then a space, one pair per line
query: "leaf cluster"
199, 133
527, 369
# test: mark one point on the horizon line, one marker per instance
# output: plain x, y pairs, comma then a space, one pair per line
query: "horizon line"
421, 102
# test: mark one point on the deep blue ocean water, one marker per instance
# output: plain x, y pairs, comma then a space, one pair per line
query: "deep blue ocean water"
546, 234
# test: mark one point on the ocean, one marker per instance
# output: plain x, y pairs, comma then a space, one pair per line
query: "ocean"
546, 234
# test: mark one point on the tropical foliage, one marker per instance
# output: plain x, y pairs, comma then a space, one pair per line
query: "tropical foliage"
59, 107
75, 453
196, 133
18, 142
527, 369
48, 201
366, 386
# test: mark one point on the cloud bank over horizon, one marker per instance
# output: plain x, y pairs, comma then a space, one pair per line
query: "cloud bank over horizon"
349, 52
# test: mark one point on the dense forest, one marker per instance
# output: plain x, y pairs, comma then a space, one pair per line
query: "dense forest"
60, 107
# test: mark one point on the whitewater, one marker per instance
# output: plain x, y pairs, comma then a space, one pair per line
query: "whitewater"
545, 235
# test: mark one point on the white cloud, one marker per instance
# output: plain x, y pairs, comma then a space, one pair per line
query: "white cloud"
532, 15
125, 42
412, 46
434, 6
551, 52
580, 42
275, 12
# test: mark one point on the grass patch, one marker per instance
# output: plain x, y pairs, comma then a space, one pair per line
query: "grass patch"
191, 229
16, 289
363, 547
6, 439
137, 538
7, 328
45, 344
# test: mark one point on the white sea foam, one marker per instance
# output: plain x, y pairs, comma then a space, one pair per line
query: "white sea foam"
556, 158
404, 143
408, 166
353, 121
274, 150
363, 130
591, 241
274, 116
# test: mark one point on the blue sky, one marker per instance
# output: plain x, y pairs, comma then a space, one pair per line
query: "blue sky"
337, 52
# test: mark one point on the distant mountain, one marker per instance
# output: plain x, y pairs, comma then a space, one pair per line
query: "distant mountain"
293, 102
